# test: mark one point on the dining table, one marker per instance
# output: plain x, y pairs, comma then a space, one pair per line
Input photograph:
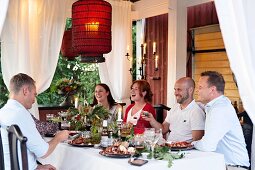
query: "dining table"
68, 157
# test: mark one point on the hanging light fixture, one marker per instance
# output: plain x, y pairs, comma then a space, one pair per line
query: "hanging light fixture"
91, 29
66, 47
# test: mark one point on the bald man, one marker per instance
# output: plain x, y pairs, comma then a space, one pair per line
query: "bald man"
186, 119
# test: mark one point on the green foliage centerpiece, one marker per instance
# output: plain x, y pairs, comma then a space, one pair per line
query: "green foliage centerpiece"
87, 116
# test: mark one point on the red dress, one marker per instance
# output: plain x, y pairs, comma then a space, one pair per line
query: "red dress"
141, 123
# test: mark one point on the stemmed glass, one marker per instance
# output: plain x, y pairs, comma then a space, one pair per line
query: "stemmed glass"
151, 138
139, 143
153, 144
64, 123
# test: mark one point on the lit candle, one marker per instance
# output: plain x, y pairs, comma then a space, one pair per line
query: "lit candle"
76, 101
156, 61
154, 48
93, 26
144, 48
128, 49
119, 114
131, 62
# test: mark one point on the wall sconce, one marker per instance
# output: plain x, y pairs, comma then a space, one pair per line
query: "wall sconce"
143, 59
142, 67
129, 59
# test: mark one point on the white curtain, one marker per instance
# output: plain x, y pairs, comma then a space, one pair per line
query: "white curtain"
238, 29
31, 40
114, 72
4, 6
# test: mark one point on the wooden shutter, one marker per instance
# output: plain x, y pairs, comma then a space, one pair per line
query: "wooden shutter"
210, 55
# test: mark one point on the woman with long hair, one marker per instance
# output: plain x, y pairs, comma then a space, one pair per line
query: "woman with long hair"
103, 96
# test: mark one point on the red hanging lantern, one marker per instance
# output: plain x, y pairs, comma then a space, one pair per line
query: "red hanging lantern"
66, 47
91, 24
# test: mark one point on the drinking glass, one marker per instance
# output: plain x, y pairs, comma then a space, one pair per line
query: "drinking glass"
64, 123
49, 117
149, 134
139, 143
151, 138
125, 129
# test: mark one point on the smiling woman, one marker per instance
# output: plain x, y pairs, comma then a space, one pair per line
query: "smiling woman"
142, 96
103, 96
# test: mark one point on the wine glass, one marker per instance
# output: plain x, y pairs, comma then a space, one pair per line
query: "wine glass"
64, 123
125, 129
151, 137
139, 143
153, 144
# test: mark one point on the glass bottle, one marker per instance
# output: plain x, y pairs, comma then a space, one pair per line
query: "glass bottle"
104, 134
110, 139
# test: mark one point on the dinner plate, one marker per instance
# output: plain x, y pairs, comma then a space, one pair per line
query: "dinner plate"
181, 148
81, 145
114, 155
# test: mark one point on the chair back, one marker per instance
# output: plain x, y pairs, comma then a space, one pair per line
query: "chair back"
1, 152
159, 111
15, 135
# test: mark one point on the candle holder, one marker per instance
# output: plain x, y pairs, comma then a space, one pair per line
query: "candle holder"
127, 55
143, 60
155, 57
119, 124
130, 59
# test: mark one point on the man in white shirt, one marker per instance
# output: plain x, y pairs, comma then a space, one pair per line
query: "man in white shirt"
15, 111
185, 120
223, 133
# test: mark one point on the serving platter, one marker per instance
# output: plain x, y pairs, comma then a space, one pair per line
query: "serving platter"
113, 155
81, 145
180, 146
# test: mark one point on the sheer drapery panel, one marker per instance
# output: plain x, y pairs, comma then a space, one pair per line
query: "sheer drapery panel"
237, 25
4, 6
114, 72
31, 39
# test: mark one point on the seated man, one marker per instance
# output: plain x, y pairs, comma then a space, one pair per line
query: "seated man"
186, 119
223, 133
22, 96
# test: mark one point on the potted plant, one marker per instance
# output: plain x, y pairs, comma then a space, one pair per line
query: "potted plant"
67, 88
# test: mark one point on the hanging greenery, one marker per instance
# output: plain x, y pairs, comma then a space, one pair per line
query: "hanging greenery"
86, 74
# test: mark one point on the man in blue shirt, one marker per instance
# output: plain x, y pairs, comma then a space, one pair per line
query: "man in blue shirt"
15, 111
223, 132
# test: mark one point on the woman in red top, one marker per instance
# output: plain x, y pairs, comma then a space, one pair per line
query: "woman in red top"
142, 96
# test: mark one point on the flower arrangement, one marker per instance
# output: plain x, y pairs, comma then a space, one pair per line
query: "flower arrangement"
67, 86
87, 115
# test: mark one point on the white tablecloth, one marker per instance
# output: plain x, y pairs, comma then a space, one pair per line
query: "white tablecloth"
66, 157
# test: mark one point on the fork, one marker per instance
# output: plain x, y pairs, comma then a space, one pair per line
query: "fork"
74, 136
